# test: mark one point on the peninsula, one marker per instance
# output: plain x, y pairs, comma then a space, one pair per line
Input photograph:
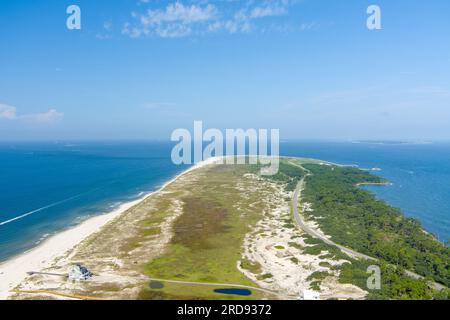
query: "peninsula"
222, 231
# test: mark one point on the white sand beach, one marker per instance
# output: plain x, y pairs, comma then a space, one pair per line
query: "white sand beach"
14, 271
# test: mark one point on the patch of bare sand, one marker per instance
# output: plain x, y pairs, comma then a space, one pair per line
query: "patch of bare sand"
276, 250
116, 253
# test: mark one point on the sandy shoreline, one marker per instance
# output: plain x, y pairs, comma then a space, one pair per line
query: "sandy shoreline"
14, 270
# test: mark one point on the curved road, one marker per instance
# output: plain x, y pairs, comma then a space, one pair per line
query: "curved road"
314, 233
317, 235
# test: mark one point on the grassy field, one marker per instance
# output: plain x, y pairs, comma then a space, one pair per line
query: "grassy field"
208, 236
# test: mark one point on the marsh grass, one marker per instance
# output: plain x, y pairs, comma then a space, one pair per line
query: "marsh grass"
208, 237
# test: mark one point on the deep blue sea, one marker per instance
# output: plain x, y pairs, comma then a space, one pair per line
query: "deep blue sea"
57, 185
48, 187
419, 173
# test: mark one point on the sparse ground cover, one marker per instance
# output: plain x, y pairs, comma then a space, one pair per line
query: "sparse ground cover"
223, 224
179, 291
117, 254
280, 257
192, 230
208, 236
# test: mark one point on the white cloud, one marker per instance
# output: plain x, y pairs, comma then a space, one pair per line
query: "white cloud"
10, 113
173, 31
177, 12
107, 25
200, 17
158, 105
176, 20
7, 112
106, 32
268, 11
49, 117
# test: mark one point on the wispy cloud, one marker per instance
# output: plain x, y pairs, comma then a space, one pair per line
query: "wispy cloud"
7, 112
200, 17
434, 91
158, 105
165, 108
270, 10
51, 116
176, 20
106, 32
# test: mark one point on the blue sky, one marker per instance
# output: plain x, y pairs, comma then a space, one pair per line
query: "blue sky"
140, 69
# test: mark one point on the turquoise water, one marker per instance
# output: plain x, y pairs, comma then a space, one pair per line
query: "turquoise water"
48, 187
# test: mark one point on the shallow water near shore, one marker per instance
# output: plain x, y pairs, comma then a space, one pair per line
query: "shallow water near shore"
48, 187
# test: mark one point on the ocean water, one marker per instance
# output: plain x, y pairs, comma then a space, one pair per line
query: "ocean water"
419, 173
48, 187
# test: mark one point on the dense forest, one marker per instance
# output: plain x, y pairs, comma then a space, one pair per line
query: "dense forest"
289, 174
353, 217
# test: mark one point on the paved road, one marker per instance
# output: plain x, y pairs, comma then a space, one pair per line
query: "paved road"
314, 233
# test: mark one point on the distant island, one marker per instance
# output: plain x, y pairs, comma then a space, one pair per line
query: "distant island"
390, 142
225, 232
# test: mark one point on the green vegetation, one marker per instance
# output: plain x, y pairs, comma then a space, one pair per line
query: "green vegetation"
317, 278
208, 238
318, 275
318, 247
288, 174
295, 245
175, 291
294, 260
325, 264
265, 276
394, 284
355, 218
442, 295
253, 267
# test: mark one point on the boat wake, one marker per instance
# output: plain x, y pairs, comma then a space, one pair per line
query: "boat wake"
41, 209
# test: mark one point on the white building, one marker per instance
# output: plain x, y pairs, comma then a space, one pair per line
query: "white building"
79, 273
309, 295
